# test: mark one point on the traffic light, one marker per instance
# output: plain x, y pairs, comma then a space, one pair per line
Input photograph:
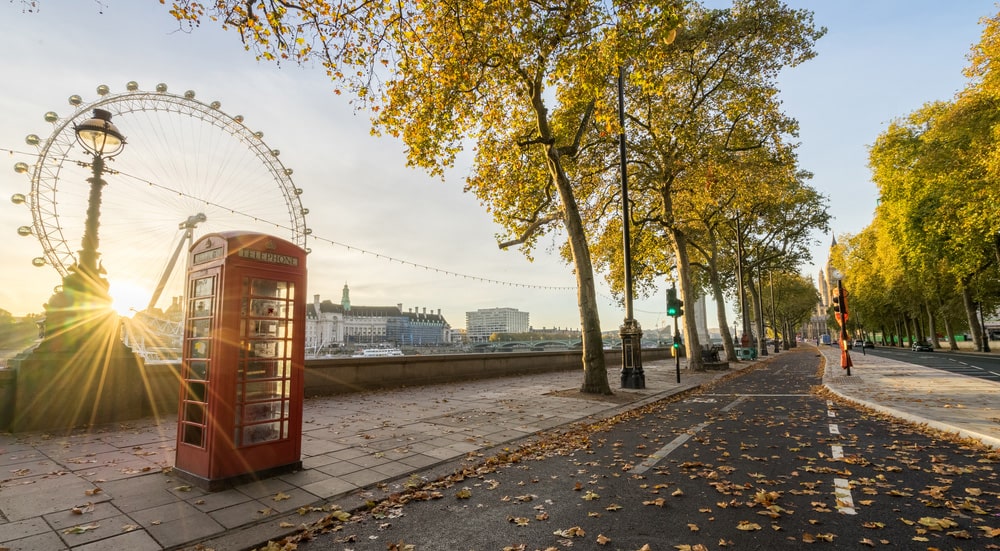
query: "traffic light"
840, 307
679, 309
677, 340
672, 305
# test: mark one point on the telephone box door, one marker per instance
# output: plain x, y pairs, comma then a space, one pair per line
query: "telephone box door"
240, 413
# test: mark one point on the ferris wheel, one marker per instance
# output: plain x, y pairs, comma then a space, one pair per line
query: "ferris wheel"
188, 167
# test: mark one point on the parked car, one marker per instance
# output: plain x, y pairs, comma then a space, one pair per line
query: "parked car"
922, 347
858, 344
869, 344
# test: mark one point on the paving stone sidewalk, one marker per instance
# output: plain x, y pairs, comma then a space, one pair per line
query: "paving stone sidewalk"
968, 406
111, 488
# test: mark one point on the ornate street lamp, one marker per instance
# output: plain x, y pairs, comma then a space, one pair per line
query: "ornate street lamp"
102, 140
632, 375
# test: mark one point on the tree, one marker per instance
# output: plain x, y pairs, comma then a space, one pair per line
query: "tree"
705, 110
523, 81
934, 172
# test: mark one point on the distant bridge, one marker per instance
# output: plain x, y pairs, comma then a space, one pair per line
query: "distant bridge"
569, 344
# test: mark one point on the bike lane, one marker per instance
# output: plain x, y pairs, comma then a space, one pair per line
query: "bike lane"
761, 461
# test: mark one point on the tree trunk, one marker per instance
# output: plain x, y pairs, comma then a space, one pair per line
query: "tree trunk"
595, 373
932, 327
970, 314
686, 288
720, 310
758, 314
948, 331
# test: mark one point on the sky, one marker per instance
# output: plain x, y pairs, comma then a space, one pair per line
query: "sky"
393, 234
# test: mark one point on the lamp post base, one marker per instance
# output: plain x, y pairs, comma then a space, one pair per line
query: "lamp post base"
632, 374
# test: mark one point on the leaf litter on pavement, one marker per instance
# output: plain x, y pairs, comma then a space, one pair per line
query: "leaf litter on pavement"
801, 502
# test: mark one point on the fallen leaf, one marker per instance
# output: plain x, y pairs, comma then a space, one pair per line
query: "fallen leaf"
746, 525
602, 539
280, 496
81, 509
81, 529
574, 532
937, 524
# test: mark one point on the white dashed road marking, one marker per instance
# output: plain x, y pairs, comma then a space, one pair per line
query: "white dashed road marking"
663, 452
842, 491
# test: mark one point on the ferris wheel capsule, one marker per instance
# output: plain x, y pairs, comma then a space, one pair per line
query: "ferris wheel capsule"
24, 231
20, 167
38, 262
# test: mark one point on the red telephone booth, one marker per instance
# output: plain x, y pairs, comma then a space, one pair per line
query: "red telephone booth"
240, 414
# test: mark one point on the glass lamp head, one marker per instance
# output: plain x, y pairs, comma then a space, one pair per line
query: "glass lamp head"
99, 136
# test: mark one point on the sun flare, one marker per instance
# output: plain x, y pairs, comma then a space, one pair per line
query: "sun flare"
128, 297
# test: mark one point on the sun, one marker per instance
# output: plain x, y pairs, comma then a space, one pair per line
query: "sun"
128, 297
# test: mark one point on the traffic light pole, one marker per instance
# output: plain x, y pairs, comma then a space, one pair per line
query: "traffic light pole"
677, 356
845, 355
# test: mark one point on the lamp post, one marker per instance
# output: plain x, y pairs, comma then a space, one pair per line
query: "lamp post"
102, 140
632, 375
774, 315
82, 372
740, 290
984, 334
762, 338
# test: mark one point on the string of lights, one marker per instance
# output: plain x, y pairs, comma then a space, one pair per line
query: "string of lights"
361, 250
355, 249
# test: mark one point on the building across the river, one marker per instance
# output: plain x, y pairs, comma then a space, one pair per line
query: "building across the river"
331, 325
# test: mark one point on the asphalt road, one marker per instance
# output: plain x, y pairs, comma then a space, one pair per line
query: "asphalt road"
760, 461
974, 365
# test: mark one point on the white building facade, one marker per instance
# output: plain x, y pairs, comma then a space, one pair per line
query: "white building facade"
482, 323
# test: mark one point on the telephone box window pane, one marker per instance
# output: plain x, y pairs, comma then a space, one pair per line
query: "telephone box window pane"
196, 392
201, 307
262, 369
194, 435
283, 369
267, 411
256, 434
266, 308
199, 349
200, 329
266, 349
265, 329
198, 370
194, 413
268, 288
203, 287
263, 390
